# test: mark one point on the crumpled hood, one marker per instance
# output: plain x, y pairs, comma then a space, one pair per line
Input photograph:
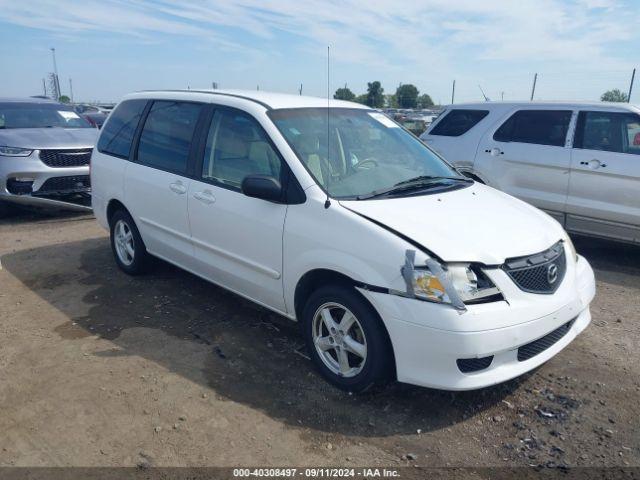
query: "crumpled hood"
41, 138
473, 224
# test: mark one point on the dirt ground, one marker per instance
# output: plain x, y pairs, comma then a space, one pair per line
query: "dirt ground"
97, 368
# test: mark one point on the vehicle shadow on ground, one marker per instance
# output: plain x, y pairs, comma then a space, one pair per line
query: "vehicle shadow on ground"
22, 214
616, 263
254, 355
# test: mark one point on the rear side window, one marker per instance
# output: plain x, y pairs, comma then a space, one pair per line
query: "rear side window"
540, 127
166, 136
117, 134
458, 122
608, 131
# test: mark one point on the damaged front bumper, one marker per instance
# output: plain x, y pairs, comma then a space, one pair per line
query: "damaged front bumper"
437, 346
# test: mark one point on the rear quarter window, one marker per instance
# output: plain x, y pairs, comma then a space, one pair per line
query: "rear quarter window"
117, 134
458, 122
539, 127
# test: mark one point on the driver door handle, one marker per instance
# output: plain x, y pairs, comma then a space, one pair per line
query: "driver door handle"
178, 187
205, 197
594, 164
494, 151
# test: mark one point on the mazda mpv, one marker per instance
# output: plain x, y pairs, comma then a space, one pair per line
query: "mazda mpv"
329, 213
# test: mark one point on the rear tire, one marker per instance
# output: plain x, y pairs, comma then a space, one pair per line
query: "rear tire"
127, 246
346, 339
5, 209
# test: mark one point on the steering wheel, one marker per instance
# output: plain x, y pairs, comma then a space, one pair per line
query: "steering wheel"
361, 165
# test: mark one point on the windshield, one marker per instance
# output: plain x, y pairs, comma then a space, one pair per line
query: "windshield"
39, 115
367, 152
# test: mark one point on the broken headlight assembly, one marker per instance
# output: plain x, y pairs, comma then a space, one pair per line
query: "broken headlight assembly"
455, 284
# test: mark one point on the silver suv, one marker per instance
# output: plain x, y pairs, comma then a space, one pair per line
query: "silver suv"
45, 148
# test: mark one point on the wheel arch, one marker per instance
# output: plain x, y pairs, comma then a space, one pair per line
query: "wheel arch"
113, 206
318, 277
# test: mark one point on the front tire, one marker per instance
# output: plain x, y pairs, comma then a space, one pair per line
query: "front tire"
127, 246
346, 339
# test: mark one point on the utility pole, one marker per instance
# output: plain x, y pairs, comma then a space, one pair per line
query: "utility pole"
633, 76
44, 87
533, 89
453, 92
300, 91
55, 72
502, 96
71, 90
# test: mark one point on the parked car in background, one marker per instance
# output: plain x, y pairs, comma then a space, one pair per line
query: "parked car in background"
415, 125
96, 119
579, 162
106, 107
82, 108
45, 148
395, 265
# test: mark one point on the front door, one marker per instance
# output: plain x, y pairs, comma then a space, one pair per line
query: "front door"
237, 239
526, 156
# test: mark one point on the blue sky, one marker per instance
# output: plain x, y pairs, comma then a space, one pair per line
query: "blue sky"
579, 48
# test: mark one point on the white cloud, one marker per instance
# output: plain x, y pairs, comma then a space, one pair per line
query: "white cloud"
419, 37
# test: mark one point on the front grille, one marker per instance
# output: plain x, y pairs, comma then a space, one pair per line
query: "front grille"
530, 350
65, 185
66, 158
467, 365
539, 273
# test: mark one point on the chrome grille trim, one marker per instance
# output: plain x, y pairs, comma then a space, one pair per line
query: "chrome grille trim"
538, 273
65, 158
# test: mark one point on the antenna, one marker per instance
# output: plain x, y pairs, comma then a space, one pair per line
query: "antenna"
486, 99
327, 202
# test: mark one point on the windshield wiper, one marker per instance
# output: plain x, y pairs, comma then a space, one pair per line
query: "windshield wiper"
415, 183
430, 179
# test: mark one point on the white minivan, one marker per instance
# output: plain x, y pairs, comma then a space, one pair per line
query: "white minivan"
394, 264
579, 162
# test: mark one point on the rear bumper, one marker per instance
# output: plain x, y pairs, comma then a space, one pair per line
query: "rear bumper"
428, 356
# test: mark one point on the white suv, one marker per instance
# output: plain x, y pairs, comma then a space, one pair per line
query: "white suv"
395, 265
579, 162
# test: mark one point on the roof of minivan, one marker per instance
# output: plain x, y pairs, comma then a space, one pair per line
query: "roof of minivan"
551, 104
267, 99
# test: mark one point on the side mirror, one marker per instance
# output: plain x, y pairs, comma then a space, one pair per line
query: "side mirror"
265, 187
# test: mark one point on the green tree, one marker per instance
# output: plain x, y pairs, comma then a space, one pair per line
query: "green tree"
425, 101
375, 94
391, 101
614, 95
407, 96
361, 99
64, 99
344, 94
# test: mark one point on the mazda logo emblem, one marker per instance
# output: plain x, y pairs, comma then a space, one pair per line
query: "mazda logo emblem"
552, 274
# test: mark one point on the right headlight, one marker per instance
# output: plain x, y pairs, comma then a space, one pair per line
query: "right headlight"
14, 151
471, 283
454, 284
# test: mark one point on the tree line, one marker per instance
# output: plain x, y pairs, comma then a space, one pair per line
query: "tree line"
406, 96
